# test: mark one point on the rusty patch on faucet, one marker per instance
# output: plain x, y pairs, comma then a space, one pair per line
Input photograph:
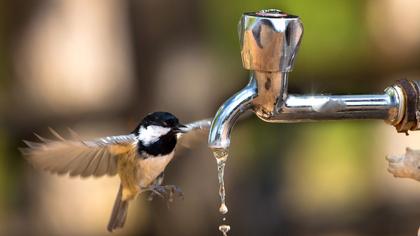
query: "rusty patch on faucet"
267, 84
411, 93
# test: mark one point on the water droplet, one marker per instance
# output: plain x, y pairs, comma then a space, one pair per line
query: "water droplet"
223, 209
224, 229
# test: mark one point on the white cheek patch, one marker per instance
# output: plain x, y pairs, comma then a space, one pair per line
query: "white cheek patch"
152, 133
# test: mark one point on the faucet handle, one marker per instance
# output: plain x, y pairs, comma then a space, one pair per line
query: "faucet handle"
269, 40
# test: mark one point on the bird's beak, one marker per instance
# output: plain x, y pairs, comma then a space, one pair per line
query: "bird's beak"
181, 128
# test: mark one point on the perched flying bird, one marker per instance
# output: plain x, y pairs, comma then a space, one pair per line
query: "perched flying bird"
139, 158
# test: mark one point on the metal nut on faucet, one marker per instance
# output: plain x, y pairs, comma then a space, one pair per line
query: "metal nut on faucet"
269, 40
410, 119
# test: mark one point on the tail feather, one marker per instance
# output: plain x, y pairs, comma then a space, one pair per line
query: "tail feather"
119, 212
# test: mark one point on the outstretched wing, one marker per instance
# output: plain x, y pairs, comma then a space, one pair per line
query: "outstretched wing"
77, 157
194, 132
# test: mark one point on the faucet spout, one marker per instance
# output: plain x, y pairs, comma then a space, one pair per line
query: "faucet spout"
269, 41
228, 113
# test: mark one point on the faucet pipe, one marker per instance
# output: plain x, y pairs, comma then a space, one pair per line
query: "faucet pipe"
388, 106
302, 108
228, 113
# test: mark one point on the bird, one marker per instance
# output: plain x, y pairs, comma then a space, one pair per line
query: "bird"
138, 158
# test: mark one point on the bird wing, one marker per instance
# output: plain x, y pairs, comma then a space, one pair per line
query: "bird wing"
77, 157
194, 132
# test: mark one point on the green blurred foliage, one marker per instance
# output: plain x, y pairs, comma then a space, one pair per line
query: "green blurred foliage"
3, 56
337, 35
330, 162
4, 177
335, 43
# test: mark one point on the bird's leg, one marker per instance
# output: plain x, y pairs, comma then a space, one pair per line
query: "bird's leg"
172, 191
154, 187
154, 192
166, 191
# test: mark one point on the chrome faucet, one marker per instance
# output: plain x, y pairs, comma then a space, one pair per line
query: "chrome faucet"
270, 40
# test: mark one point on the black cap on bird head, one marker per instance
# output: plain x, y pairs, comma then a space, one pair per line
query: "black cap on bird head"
164, 119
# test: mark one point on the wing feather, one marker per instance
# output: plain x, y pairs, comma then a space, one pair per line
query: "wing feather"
93, 164
112, 166
194, 132
102, 167
77, 157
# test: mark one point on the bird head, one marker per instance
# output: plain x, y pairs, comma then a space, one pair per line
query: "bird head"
156, 125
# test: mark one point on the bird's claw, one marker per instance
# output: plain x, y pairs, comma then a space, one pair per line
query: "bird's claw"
153, 194
168, 192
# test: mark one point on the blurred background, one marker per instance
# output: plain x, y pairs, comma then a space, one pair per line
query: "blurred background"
99, 66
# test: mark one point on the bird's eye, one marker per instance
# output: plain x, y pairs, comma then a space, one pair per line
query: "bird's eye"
169, 123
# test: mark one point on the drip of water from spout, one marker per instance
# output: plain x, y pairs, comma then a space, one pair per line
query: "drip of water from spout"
221, 156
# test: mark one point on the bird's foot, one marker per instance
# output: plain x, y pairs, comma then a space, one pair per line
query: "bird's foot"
168, 192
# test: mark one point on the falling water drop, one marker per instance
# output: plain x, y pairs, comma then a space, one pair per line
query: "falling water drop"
224, 229
221, 156
223, 209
